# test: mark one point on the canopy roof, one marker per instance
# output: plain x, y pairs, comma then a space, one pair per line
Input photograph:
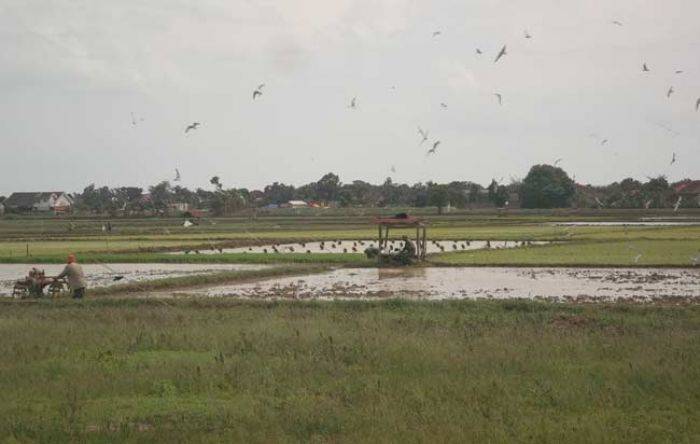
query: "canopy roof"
408, 221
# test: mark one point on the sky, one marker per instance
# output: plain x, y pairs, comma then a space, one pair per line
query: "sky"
74, 72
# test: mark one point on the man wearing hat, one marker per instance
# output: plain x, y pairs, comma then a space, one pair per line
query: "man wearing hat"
76, 279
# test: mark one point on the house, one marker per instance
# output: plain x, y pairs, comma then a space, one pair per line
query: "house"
295, 204
178, 207
44, 201
689, 191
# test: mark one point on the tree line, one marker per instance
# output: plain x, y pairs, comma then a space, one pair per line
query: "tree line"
545, 186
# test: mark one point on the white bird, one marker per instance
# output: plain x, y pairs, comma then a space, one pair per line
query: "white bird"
501, 53
647, 204
600, 204
423, 135
434, 148
499, 97
393, 169
187, 224
637, 257
678, 203
192, 126
177, 175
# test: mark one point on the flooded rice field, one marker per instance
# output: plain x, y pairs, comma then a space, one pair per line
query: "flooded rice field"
359, 246
563, 284
103, 275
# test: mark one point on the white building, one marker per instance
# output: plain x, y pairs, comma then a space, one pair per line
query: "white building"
45, 201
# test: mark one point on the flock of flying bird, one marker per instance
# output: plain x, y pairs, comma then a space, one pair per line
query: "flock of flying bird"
258, 91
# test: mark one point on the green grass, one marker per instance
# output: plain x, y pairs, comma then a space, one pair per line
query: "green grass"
219, 370
607, 253
145, 240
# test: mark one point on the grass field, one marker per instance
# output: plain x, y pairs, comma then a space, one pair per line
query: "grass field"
144, 240
219, 370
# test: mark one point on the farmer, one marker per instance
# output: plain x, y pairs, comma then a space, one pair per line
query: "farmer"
408, 253
76, 279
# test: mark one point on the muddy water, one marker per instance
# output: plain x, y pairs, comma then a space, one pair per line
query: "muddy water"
100, 276
472, 283
340, 246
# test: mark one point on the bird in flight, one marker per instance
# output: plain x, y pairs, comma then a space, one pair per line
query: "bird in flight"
177, 175
478, 51
678, 203
499, 97
527, 35
192, 126
558, 161
679, 71
669, 92
258, 91
697, 105
434, 148
501, 53
443, 105
393, 169
423, 135
353, 103
645, 68
135, 121
647, 204
436, 33
617, 22
604, 141
673, 159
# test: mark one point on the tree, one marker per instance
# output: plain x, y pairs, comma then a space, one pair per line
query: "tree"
96, 199
547, 186
216, 182
328, 187
437, 196
161, 195
498, 194
278, 193
126, 198
657, 191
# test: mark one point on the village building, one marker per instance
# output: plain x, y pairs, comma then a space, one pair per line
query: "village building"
295, 204
689, 191
43, 201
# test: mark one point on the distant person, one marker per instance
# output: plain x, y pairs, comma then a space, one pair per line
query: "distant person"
407, 253
76, 278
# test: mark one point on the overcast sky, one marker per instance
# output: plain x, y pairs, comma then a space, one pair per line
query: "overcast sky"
73, 71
